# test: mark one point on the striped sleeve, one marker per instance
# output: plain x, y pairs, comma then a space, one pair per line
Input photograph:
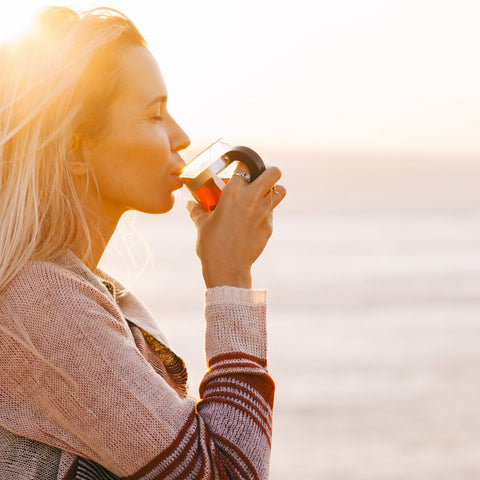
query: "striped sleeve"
229, 434
237, 391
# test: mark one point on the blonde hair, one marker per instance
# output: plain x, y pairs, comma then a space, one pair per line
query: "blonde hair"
56, 82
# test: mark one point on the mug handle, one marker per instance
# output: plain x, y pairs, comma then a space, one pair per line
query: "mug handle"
248, 157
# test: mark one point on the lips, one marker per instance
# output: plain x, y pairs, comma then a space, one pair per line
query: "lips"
177, 182
177, 172
179, 164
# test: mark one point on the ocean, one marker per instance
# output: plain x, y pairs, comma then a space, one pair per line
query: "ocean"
373, 279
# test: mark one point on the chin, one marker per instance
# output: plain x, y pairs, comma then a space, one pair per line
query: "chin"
163, 206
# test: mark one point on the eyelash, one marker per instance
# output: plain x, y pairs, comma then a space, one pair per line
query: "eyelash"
157, 114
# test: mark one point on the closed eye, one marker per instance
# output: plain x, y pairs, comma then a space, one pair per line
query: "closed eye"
159, 103
158, 112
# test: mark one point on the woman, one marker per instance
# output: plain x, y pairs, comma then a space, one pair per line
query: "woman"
88, 385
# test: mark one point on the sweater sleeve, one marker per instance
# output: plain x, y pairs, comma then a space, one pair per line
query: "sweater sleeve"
71, 376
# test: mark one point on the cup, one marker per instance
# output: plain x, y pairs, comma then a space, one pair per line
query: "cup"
208, 173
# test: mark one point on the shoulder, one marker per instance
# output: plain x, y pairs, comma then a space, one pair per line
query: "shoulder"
50, 291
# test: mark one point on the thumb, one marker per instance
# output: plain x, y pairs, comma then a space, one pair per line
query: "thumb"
196, 211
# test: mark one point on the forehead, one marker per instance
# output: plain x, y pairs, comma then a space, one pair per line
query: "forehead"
141, 79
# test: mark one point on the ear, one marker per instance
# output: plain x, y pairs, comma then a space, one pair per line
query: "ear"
77, 162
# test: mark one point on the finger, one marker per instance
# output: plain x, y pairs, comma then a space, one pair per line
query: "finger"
268, 179
275, 196
196, 211
241, 174
241, 168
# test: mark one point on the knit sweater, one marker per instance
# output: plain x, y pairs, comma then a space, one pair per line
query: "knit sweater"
87, 379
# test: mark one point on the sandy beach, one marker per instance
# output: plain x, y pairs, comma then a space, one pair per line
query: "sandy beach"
373, 278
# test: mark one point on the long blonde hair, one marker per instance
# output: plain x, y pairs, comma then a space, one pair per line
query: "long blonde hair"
56, 82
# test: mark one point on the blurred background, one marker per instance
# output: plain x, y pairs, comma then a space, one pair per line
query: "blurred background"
372, 111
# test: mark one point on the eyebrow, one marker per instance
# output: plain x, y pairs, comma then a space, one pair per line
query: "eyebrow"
159, 99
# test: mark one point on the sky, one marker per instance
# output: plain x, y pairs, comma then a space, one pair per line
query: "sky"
330, 76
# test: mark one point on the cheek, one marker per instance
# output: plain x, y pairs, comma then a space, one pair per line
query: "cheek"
142, 152
134, 170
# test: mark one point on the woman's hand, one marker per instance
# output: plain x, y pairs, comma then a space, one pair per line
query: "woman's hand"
232, 237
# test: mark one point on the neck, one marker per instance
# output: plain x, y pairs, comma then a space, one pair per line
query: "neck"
102, 222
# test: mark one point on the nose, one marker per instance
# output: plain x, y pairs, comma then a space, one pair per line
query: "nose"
179, 140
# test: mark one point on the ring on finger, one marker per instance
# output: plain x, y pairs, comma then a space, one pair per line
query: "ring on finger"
245, 176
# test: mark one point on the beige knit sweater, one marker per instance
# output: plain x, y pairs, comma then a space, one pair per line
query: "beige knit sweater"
86, 372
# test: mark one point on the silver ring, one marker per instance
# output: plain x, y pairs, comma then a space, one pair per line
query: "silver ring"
245, 176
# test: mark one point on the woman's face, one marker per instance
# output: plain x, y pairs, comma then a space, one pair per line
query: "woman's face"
136, 161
